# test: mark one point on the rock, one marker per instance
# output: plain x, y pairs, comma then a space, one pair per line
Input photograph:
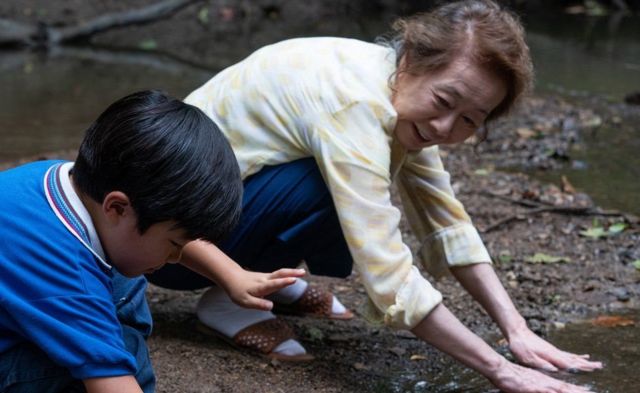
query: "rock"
632, 98
622, 294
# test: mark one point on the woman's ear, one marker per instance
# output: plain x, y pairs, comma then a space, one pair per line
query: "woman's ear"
117, 206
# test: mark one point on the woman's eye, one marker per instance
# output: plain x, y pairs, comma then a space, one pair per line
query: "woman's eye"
442, 102
468, 121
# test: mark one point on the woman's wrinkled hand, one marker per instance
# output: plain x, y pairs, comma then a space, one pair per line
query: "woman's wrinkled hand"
249, 288
531, 350
513, 378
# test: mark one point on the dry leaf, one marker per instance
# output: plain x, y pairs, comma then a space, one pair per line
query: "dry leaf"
612, 321
360, 366
567, 186
525, 133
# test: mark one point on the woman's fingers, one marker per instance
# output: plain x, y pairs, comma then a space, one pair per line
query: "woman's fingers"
569, 361
517, 379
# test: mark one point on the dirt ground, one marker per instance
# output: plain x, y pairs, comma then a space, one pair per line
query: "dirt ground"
597, 276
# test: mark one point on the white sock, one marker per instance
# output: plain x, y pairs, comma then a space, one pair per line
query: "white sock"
290, 294
216, 310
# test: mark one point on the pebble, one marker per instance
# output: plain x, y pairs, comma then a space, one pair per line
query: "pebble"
621, 294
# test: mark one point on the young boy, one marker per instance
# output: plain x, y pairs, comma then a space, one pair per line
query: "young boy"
152, 174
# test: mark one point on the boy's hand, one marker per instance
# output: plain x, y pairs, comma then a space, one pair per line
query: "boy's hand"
248, 288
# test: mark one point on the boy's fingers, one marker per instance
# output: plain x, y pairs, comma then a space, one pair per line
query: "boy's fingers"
273, 285
288, 273
259, 304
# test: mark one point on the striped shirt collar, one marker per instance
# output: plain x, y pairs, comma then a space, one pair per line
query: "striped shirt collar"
70, 210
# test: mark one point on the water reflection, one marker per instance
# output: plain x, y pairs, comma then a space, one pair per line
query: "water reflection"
47, 101
617, 347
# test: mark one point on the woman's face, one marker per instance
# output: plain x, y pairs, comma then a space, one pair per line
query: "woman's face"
446, 106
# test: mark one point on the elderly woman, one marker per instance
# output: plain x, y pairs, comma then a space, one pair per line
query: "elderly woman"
321, 127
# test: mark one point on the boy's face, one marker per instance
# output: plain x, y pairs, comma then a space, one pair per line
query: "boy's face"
129, 251
134, 254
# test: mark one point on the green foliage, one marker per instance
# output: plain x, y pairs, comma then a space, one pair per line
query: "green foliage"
596, 231
149, 44
636, 264
315, 334
203, 15
504, 257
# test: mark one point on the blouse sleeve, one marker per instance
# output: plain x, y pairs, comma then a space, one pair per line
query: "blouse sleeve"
353, 154
445, 232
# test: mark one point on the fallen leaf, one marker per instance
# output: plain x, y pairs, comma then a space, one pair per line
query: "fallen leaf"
636, 264
481, 172
567, 186
593, 122
525, 133
203, 15
594, 232
315, 334
559, 325
612, 321
505, 257
545, 258
418, 357
616, 228
148, 44
360, 366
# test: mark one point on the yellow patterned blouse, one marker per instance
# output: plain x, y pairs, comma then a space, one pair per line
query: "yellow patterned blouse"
329, 98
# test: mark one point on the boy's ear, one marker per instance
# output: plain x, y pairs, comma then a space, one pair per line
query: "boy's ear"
116, 206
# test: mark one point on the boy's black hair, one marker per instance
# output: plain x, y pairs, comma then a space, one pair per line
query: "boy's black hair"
169, 158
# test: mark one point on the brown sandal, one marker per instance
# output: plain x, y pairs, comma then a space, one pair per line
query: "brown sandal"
261, 338
314, 302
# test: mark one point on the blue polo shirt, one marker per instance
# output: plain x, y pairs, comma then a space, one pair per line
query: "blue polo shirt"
55, 284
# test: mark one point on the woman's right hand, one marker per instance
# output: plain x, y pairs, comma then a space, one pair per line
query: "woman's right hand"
512, 378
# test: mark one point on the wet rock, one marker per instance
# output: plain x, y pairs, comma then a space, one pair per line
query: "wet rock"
591, 285
398, 351
622, 294
632, 98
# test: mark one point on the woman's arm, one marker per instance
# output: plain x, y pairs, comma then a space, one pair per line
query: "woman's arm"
481, 281
442, 329
244, 287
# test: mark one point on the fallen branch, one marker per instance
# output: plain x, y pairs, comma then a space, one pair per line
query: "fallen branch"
540, 208
522, 202
17, 33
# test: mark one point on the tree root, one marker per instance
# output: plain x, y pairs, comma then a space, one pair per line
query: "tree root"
14, 33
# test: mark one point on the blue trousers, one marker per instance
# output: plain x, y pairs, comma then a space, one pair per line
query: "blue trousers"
287, 215
27, 369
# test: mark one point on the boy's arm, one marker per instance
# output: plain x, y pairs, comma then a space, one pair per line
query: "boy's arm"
244, 287
122, 384
482, 283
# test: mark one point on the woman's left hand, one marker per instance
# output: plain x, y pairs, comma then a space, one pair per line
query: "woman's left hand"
533, 351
